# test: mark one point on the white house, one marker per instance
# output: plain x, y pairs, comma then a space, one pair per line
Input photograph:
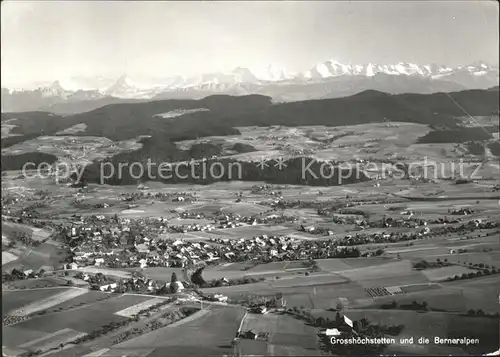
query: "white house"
220, 297
332, 332
143, 263
263, 310
180, 286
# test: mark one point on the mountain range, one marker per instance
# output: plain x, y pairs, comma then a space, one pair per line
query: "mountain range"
329, 79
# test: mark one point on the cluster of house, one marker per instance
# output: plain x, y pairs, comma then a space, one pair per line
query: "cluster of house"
136, 283
464, 211
387, 222
393, 237
231, 221
223, 222
146, 252
261, 247
191, 215
470, 226
123, 243
184, 228
101, 241
19, 274
269, 189
364, 238
159, 196
216, 297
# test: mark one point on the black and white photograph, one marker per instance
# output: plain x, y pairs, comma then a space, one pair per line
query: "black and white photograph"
250, 178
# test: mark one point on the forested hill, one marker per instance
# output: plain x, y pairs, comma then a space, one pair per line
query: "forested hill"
218, 115
168, 121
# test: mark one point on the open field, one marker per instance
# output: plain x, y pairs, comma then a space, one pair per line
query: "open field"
249, 231
326, 290
8, 257
315, 279
489, 258
454, 296
7, 128
308, 295
45, 282
13, 336
480, 291
187, 221
285, 333
135, 309
408, 289
88, 298
374, 140
46, 254
73, 148
207, 332
218, 272
48, 302
158, 273
336, 265
11, 230
269, 267
385, 275
244, 209
346, 140
52, 340
106, 271
13, 300
265, 271
117, 352
85, 319
445, 272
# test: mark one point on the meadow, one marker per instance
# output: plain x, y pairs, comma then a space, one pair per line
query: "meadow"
12, 300
208, 332
85, 319
286, 334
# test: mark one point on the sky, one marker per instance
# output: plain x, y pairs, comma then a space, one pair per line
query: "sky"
48, 40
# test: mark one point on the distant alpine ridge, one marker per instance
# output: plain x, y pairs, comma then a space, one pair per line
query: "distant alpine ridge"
329, 79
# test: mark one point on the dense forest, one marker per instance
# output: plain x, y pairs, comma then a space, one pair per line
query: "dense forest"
299, 171
16, 162
458, 135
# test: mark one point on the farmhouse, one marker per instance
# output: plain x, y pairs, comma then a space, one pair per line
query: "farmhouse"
180, 286
331, 332
249, 335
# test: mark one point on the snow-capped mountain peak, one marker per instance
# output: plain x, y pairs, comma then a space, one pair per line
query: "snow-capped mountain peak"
123, 87
56, 86
274, 73
333, 68
242, 80
53, 90
244, 75
124, 82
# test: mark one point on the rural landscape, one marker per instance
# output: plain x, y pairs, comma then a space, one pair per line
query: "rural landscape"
318, 214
